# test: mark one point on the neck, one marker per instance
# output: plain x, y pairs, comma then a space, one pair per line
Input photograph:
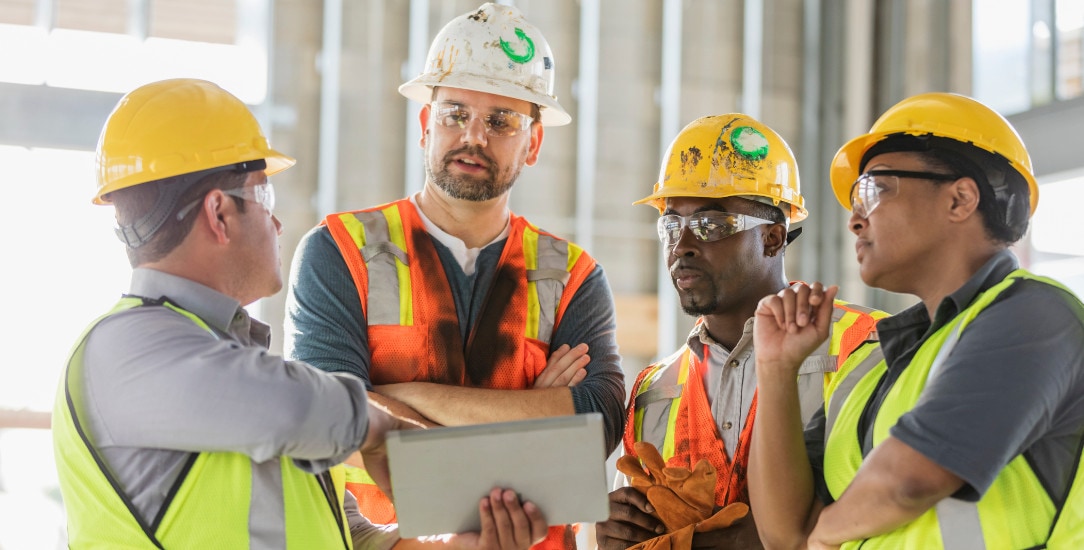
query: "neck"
475, 223
727, 326
954, 270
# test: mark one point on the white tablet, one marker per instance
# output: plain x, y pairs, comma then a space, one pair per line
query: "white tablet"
439, 475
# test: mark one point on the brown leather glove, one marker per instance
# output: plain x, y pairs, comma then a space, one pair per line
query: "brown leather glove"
683, 499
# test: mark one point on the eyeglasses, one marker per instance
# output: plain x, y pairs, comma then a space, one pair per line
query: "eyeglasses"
874, 186
498, 123
706, 226
262, 194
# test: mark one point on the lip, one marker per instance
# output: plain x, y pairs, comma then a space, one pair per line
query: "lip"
685, 277
859, 247
470, 163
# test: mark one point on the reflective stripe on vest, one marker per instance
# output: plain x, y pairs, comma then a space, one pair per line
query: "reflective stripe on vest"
209, 506
1016, 512
852, 325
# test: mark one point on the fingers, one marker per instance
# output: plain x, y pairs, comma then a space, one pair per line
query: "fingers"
508, 525
799, 306
565, 367
630, 521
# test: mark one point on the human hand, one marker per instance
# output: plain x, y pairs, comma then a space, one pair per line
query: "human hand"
374, 451
630, 521
565, 367
789, 326
742, 533
506, 524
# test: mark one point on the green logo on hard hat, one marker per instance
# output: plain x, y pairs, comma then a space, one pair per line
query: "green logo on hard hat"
529, 55
749, 142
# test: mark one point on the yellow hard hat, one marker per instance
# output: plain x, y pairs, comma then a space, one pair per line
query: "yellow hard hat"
176, 127
939, 114
728, 155
491, 49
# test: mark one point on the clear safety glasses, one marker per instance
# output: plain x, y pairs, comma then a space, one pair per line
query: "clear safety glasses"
706, 226
262, 194
877, 185
498, 123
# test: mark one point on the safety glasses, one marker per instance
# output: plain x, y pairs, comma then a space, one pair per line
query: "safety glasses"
874, 186
262, 194
706, 226
497, 123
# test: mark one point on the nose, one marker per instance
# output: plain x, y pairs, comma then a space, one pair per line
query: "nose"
474, 132
856, 223
686, 244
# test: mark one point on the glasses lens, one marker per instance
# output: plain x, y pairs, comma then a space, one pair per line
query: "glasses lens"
505, 123
265, 195
669, 227
713, 226
451, 115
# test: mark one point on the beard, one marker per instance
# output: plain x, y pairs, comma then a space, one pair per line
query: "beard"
697, 305
466, 187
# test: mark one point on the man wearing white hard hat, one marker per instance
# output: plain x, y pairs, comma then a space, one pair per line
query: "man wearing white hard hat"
445, 301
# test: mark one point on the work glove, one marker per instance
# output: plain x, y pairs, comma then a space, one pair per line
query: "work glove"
683, 499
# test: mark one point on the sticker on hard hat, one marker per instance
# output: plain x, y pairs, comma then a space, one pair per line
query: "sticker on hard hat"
749, 142
511, 53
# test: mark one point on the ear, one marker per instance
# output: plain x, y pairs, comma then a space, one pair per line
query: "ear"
536, 144
219, 213
964, 193
423, 119
775, 238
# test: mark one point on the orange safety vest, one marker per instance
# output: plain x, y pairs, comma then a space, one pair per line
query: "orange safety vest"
414, 332
691, 431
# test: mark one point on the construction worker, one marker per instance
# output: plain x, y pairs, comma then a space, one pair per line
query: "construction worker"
445, 301
173, 427
727, 190
963, 426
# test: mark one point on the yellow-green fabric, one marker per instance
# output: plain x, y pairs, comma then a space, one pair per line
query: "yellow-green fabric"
1016, 511
209, 507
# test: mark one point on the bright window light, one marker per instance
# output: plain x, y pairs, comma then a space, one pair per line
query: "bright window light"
1050, 231
118, 63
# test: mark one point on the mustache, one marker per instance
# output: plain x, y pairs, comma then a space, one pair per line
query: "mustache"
472, 150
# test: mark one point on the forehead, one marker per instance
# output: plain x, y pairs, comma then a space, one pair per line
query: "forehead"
480, 100
256, 178
901, 160
689, 205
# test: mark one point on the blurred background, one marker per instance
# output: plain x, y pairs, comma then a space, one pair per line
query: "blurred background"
322, 78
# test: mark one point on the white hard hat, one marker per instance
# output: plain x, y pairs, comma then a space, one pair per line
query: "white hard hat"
492, 49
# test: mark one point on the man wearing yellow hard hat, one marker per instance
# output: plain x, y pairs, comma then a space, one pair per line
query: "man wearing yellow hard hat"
445, 301
727, 191
173, 427
963, 426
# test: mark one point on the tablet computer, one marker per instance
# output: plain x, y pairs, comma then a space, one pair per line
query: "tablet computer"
439, 475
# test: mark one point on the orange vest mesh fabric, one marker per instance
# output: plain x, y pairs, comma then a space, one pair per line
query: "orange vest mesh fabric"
695, 434
497, 351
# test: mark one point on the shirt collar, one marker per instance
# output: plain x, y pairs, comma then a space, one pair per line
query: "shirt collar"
915, 317
215, 308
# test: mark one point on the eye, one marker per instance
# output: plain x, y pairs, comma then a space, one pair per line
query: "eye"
453, 116
499, 121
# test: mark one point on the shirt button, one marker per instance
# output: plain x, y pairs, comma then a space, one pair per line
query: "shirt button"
727, 425
733, 363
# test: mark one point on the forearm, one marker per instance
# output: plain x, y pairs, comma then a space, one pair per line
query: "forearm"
458, 406
780, 477
894, 486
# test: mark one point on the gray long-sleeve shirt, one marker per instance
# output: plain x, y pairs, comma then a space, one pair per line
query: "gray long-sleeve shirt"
158, 387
